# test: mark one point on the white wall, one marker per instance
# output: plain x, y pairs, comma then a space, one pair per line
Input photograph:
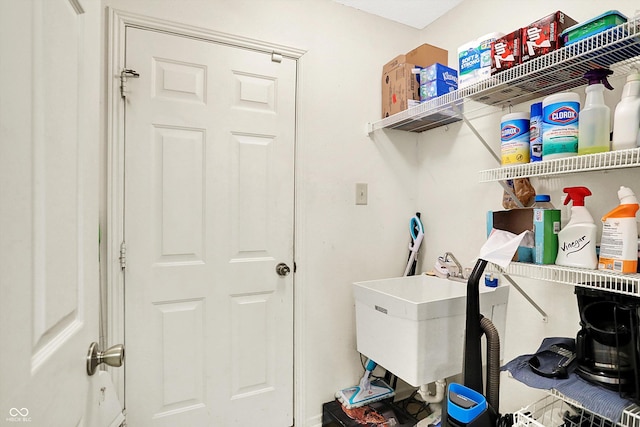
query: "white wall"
337, 242
435, 172
450, 195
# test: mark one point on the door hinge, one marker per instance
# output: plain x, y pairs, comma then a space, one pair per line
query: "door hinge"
123, 80
123, 255
276, 57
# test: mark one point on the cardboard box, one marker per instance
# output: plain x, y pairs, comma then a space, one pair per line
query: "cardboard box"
543, 35
423, 56
399, 87
506, 52
544, 225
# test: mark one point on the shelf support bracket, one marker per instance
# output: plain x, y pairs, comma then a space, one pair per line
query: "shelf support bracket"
506, 187
509, 191
477, 134
526, 296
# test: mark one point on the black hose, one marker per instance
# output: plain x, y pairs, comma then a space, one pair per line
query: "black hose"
493, 362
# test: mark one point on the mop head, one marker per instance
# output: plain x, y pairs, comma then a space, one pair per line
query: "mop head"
357, 396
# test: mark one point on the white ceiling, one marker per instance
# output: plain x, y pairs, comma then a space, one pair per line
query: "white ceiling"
415, 13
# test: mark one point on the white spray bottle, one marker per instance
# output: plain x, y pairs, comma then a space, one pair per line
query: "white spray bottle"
594, 123
577, 240
626, 119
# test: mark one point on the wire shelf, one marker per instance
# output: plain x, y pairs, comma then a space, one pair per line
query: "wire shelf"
584, 163
631, 417
627, 284
617, 48
558, 411
548, 411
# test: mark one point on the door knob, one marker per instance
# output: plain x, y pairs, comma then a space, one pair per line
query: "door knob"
113, 356
283, 269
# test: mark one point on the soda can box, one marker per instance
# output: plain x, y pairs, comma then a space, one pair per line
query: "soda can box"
435, 88
506, 52
438, 71
543, 35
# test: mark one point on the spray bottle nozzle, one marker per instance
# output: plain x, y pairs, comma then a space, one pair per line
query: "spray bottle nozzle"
576, 194
599, 75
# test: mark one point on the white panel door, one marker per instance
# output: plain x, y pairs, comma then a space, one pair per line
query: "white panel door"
209, 148
49, 138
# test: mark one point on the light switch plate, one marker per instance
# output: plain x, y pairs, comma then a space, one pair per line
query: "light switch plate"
361, 193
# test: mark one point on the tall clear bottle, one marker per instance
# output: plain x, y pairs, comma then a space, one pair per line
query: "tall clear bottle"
594, 123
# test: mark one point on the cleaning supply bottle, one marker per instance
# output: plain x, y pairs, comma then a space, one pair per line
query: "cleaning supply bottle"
546, 226
560, 114
542, 201
626, 118
619, 245
595, 117
535, 132
577, 240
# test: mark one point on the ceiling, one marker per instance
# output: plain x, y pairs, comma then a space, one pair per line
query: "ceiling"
415, 13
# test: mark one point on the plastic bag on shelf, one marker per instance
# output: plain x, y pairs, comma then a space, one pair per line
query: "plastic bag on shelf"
522, 189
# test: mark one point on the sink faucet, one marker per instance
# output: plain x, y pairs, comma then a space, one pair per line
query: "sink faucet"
448, 256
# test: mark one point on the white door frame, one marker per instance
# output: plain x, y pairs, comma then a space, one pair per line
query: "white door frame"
118, 21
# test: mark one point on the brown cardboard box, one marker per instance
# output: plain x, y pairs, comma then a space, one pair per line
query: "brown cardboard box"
422, 56
543, 36
426, 54
514, 221
544, 225
399, 85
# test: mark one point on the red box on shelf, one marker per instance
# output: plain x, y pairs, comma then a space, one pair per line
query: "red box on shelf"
543, 36
506, 52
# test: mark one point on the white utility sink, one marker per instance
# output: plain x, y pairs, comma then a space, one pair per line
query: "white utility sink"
414, 326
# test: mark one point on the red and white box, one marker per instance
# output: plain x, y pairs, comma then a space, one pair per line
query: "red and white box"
506, 52
543, 36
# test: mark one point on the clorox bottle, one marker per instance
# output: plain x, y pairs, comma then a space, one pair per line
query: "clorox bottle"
619, 245
595, 116
560, 114
577, 240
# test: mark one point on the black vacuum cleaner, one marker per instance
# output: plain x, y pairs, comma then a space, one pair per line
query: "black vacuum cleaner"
468, 404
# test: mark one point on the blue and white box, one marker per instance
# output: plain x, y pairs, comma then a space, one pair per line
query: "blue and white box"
438, 71
435, 88
437, 80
